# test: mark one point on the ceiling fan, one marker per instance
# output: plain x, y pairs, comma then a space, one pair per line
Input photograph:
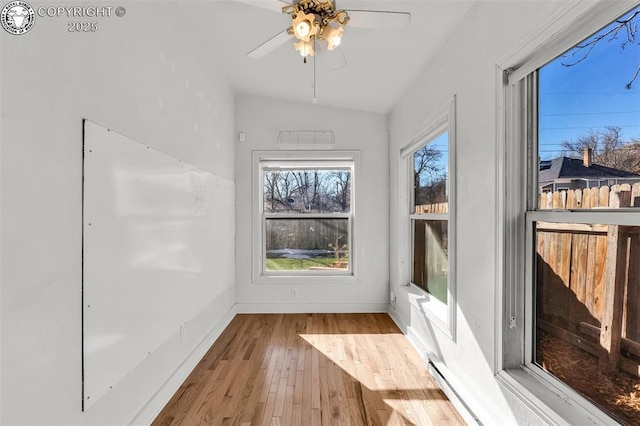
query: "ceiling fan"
318, 24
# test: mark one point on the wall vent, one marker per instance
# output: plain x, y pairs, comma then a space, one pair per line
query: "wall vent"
306, 139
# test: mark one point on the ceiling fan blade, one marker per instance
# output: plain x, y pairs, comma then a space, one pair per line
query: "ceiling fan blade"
270, 45
274, 5
331, 59
379, 19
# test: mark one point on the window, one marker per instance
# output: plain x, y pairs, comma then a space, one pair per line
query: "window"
573, 220
427, 165
430, 217
306, 211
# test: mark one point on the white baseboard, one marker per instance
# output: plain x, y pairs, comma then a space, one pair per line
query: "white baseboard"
158, 401
442, 376
307, 308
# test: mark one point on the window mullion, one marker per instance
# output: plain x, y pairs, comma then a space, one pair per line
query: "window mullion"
531, 137
606, 217
429, 216
307, 215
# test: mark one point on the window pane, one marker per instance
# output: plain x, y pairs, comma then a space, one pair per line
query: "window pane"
589, 119
307, 191
431, 172
430, 256
587, 276
307, 244
587, 311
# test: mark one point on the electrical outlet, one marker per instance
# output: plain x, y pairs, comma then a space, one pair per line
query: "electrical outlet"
392, 297
294, 293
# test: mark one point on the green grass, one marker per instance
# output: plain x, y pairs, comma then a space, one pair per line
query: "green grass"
283, 264
437, 286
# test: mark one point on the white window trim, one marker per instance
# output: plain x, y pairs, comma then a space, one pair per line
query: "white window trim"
548, 397
313, 158
442, 315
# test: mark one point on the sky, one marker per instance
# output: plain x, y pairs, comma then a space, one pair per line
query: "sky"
589, 95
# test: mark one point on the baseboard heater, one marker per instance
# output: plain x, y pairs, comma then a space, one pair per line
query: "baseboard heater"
464, 410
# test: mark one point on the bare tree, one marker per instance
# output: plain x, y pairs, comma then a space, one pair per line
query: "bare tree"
608, 149
279, 189
425, 163
429, 183
623, 30
342, 193
270, 184
300, 190
309, 188
432, 193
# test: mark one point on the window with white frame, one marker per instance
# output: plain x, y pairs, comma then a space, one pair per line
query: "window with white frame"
573, 221
430, 217
306, 209
428, 169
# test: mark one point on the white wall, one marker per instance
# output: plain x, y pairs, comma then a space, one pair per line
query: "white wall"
143, 76
466, 67
262, 119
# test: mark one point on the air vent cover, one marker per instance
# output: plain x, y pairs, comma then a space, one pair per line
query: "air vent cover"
306, 139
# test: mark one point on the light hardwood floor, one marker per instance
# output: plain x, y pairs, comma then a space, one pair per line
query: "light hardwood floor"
310, 369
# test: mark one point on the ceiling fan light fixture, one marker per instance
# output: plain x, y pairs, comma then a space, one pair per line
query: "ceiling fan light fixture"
304, 26
305, 48
333, 36
303, 29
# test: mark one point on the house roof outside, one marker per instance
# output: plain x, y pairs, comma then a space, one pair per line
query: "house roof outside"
566, 168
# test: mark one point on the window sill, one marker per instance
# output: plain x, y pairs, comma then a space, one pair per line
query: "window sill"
432, 309
305, 279
552, 404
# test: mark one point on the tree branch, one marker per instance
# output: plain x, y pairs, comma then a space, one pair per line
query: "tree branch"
585, 48
635, 75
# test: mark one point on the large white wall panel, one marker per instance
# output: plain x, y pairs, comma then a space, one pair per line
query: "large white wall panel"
151, 239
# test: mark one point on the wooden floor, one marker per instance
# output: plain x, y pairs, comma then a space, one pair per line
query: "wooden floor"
310, 369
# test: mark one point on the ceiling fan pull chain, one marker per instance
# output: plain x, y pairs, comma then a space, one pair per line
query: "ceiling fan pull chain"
315, 99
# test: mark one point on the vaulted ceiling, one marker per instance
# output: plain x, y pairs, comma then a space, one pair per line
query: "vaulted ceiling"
380, 63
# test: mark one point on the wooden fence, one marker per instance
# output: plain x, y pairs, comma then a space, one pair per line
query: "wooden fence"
588, 278
432, 208
624, 195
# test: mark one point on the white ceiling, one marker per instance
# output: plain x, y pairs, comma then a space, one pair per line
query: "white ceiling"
380, 63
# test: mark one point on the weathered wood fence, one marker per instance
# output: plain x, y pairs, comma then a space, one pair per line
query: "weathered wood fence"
588, 278
432, 208
624, 195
